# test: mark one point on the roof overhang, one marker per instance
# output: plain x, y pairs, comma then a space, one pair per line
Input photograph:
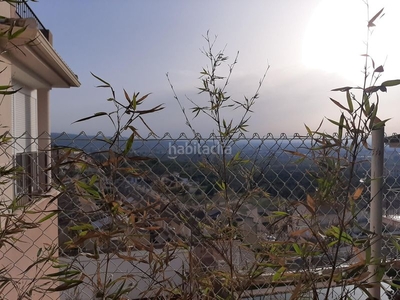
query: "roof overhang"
31, 53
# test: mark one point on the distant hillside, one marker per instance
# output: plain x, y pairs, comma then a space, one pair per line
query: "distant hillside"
169, 147
80, 141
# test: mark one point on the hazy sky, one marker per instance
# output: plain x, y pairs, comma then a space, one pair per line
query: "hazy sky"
312, 47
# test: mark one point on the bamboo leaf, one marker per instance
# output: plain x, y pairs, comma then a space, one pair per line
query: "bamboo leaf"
145, 124
357, 193
380, 124
49, 216
338, 123
308, 130
64, 273
349, 101
278, 274
299, 232
127, 97
102, 80
129, 258
98, 114
366, 105
66, 285
295, 153
311, 203
297, 249
341, 125
8, 92
371, 22
129, 143
81, 227
280, 213
342, 89
5, 87
221, 185
379, 69
148, 111
340, 105
16, 33
93, 180
372, 89
297, 291
391, 82
395, 243
143, 98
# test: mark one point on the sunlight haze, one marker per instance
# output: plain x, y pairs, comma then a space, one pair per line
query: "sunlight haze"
311, 46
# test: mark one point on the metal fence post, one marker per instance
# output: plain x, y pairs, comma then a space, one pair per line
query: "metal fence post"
376, 209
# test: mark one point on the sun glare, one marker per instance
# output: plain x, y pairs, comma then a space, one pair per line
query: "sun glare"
335, 37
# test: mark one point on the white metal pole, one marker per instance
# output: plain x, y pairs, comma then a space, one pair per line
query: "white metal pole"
376, 210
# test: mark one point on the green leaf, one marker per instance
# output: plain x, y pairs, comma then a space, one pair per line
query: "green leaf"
333, 243
380, 124
391, 82
342, 89
93, 180
341, 235
64, 273
349, 101
278, 274
129, 143
49, 216
98, 114
81, 227
16, 33
308, 130
366, 105
5, 87
280, 213
340, 105
392, 284
66, 285
341, 125
297, 249
221, 185
98, 78
395, 243
3, 92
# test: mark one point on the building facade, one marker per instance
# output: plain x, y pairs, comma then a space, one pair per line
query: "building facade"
30, 69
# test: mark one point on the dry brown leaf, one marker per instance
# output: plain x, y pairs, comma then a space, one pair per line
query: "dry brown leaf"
358, 192
311, 203
299, 232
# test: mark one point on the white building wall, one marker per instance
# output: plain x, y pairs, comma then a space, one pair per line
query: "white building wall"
138, 273
25, 119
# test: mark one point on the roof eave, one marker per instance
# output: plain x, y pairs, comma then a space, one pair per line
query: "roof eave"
33, 40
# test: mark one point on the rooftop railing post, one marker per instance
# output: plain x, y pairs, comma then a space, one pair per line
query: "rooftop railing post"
376, 211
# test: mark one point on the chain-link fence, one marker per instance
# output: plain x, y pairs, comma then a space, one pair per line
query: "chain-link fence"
90, 217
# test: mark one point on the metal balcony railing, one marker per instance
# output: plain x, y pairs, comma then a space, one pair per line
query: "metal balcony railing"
23, 10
